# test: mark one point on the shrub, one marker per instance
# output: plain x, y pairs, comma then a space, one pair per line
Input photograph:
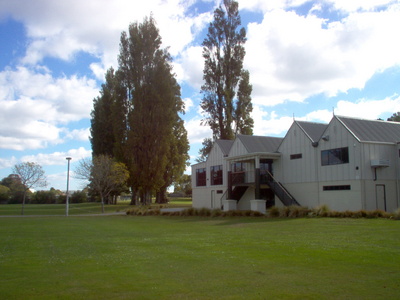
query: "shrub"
321, 211
273, 212
396, 214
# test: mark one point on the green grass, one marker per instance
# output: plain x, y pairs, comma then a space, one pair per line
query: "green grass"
124, 257
79, 209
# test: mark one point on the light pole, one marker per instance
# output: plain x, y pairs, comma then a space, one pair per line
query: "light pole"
66, 201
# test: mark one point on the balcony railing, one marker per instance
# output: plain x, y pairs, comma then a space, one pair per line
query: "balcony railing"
249, 177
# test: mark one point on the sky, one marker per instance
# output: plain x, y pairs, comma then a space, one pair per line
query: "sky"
307, 60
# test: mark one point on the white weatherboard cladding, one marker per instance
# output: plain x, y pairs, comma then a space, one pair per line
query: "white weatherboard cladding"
340, 137
237, 148
302, 169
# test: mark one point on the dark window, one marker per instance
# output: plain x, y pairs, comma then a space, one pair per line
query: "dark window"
335, 156
337, 188
238, 167
296, 156
201, 177
216, 175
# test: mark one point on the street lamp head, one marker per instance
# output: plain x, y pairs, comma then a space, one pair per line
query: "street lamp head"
68, 158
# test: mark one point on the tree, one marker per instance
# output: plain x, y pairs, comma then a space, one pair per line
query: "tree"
5, 193
105, 175
395, 117
153, 114
226, 91
13, 182
184, 185
177, 160
205, 150
109, 118
31, 175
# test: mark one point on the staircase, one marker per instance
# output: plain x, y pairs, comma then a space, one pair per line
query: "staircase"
238, 192
280, 191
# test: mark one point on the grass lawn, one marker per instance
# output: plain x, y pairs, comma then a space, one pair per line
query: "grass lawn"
79, 209
125, 257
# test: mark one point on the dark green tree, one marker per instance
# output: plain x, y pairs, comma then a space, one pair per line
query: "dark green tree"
101, 130
5, 194
395, 117
205, 150
226, 90
154, 107
177, 159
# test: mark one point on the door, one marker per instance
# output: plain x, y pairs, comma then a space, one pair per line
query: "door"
380, 197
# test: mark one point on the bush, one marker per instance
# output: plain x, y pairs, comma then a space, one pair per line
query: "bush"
273, 212
396, 214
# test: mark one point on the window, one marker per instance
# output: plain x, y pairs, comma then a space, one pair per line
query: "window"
216, 175
238, 167
201, 177
296, 156
335, 156
336, 188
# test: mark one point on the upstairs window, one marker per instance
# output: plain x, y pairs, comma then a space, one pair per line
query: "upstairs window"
296, 156
216, 175
238, 167
335, 156
201, 177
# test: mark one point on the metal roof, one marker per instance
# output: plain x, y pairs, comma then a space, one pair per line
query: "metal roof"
372, 130
313, 130
255, 144
225, 145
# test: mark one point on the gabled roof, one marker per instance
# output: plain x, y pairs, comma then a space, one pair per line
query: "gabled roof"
372, 130
255, 144
225, 145
313, 130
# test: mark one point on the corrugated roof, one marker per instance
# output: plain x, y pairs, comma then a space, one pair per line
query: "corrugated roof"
372, 130
225, 145
256, 144
313, 130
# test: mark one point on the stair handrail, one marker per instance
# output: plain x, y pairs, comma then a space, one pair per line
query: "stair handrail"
282, 189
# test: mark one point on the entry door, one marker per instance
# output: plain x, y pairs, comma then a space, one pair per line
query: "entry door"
380, 197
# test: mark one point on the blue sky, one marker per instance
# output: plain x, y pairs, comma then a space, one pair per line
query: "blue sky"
306, 59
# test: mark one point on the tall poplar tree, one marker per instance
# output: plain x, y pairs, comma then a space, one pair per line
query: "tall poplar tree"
227, 90
154, 104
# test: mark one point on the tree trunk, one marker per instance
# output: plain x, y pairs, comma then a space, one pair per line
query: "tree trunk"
133, 197
23, 203
161, 196
102, 204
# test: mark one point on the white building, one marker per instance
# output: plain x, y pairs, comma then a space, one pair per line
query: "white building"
348, 164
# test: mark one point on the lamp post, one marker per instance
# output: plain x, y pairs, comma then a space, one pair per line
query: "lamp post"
66, 201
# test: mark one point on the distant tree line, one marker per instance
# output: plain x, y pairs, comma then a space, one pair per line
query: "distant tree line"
12, 192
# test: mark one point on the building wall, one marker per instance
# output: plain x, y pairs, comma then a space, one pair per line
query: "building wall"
298, 170
209, 196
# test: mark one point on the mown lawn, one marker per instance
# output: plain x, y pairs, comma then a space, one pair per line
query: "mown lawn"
80, 208
159, 257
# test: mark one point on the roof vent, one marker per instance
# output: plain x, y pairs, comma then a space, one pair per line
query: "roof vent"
380, 163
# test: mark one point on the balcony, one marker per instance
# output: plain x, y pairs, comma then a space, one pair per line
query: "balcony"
247, 178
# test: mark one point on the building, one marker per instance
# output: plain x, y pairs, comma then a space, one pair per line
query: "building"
348, 164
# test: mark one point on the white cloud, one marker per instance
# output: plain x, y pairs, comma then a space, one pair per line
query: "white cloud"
79, 134
8, 163
189, 67
369, 109
57, 158
35, 104
188, 104
196, 132
292, 57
